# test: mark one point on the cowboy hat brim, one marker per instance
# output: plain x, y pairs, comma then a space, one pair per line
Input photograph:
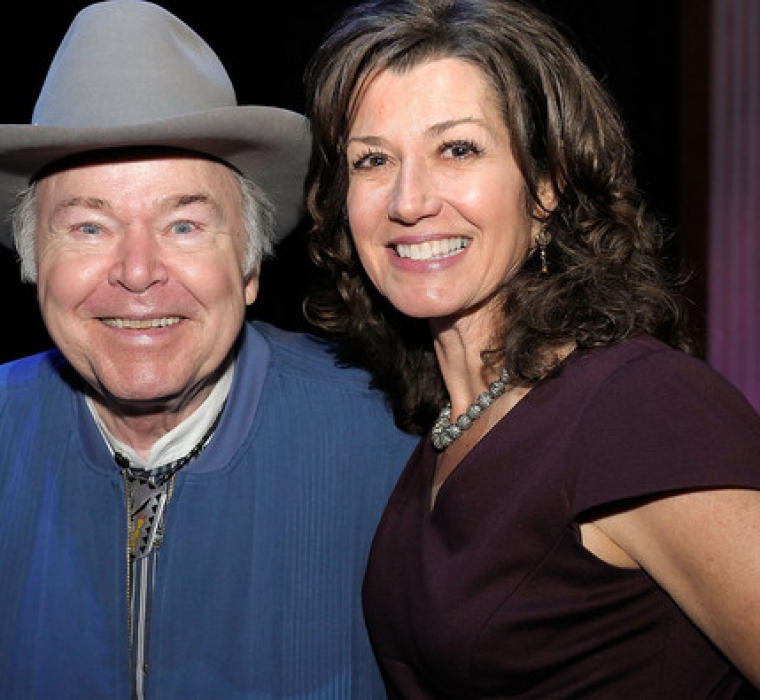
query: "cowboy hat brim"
268, 145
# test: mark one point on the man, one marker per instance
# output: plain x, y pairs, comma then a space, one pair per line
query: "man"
187, 498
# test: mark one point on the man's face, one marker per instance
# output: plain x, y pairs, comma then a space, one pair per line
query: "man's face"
140, 276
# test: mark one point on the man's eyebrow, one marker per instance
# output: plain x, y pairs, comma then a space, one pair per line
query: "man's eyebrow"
86, 202
168, 204
183, 200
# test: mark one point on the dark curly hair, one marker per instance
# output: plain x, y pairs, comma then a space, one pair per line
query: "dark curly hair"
608, 276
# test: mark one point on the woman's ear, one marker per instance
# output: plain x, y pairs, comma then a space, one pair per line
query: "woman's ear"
548, 198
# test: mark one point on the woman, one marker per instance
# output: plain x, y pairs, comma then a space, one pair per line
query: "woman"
589, 526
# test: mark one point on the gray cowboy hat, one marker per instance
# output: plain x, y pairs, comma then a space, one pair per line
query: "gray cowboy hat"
129, 73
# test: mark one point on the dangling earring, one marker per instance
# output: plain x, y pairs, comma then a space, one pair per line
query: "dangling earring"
543, 238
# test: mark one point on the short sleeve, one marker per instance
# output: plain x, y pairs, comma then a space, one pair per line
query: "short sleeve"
663, 422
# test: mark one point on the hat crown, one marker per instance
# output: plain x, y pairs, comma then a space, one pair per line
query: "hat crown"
128, 73
125, 62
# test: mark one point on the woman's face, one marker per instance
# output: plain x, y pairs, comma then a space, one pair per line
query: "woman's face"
436, 202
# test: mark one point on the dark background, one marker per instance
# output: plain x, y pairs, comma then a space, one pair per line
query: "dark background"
635, 46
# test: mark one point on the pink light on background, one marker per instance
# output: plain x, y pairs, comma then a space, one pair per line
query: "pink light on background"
733, 293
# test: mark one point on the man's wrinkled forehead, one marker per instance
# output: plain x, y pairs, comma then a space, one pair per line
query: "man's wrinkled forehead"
126, 154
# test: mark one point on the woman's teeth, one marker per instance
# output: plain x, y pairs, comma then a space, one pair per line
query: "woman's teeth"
430, 250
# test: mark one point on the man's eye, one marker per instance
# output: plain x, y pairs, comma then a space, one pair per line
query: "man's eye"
89, 229
183, 227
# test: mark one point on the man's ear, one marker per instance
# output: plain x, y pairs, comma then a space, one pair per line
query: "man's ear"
252, 286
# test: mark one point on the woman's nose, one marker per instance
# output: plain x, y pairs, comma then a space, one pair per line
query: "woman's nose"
414, 196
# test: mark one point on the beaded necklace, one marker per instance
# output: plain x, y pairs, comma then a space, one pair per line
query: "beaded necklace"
445, 432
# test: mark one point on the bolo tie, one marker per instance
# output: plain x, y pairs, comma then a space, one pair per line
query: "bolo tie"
147, 494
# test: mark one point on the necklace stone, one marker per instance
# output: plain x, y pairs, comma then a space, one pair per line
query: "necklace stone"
445, 432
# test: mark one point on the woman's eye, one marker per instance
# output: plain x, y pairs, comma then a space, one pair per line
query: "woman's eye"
373, 159
461, 149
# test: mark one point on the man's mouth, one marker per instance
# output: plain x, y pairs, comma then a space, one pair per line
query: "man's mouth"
141, 323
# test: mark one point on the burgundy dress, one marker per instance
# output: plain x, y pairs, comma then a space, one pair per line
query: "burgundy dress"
492, 595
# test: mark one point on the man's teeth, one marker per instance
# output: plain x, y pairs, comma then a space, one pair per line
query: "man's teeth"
432, 249
140, 323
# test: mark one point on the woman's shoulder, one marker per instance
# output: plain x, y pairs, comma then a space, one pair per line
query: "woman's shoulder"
649, 418
642, 388
641, 359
